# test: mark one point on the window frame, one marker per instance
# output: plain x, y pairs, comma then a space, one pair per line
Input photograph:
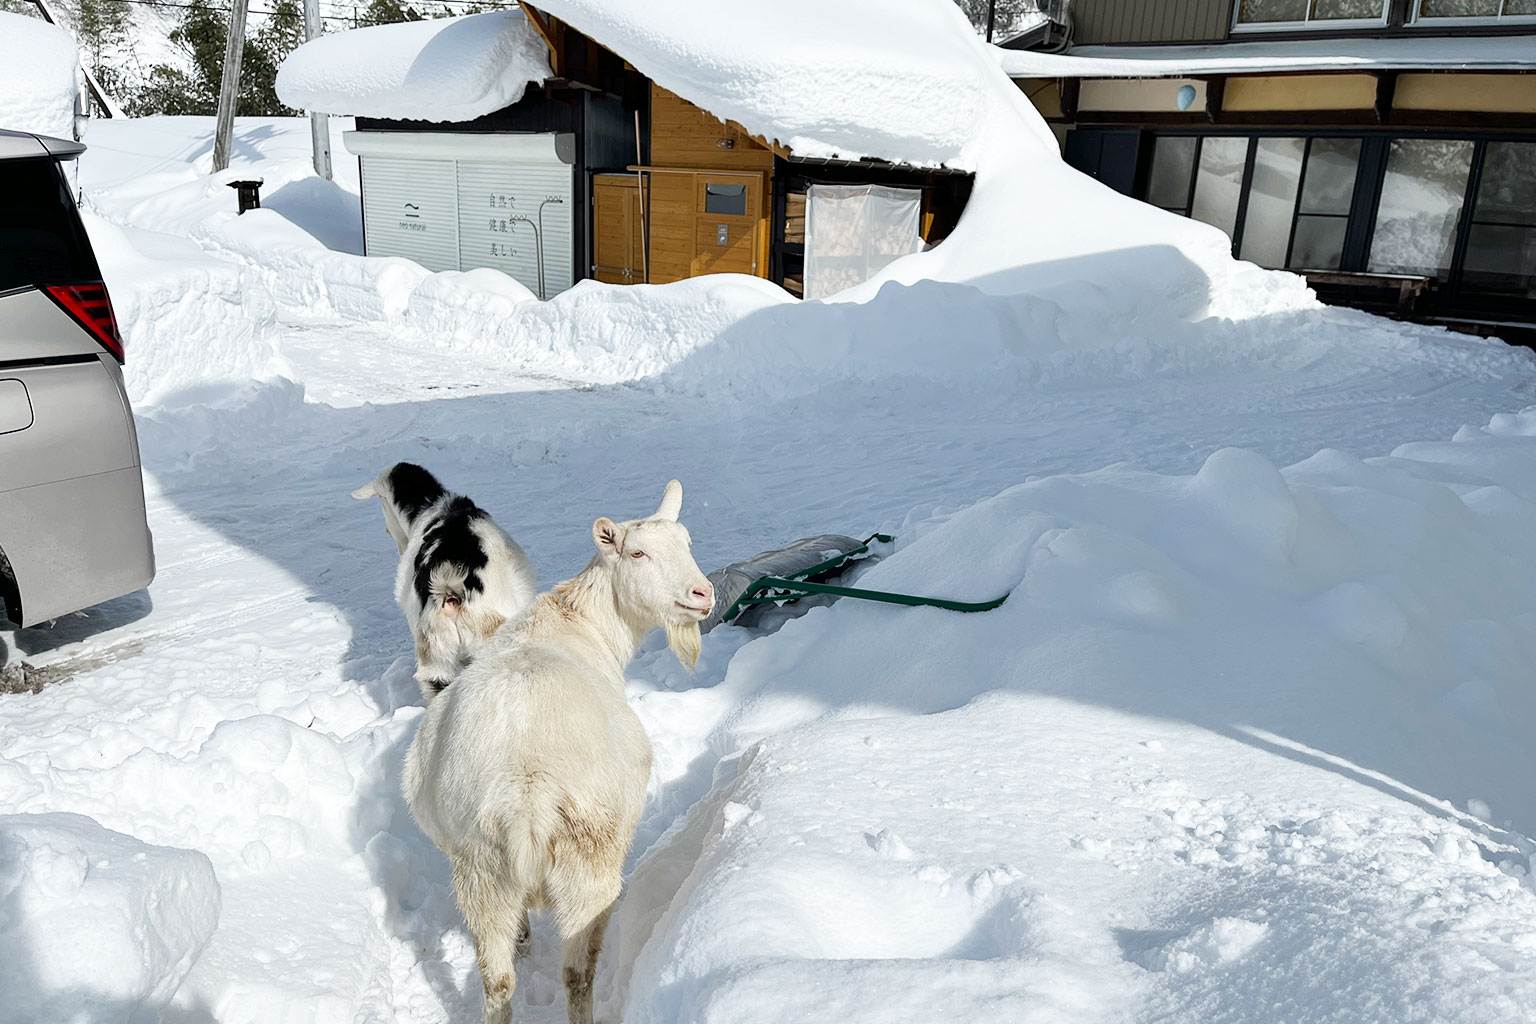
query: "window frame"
1417, 20
1310, 24
1469, 220
1250, 159
1451, 297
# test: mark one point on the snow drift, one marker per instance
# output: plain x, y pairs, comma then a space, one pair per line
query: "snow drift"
1167, 778
95, 925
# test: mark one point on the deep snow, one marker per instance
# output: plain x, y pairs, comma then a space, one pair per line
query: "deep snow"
1250, 741
441, 69
39, 77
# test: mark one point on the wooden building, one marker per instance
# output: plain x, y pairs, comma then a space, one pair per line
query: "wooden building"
655, 188
1384, 148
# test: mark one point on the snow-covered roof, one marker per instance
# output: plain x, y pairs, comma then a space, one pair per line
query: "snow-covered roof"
448, 69
39, 68
903, 80
1438, 54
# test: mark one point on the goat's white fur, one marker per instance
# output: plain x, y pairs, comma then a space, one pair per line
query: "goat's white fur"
451, 622
530, 772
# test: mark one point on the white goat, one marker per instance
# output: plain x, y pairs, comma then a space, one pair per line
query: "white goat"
460, 576
530, 772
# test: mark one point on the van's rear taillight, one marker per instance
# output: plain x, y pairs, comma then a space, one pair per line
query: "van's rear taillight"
92, 309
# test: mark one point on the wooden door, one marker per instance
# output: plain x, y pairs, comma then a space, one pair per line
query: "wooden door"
727, 224
617, 233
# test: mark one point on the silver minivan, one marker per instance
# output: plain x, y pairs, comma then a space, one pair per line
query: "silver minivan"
72, 526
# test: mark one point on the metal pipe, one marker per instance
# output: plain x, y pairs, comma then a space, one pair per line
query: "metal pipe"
540, 243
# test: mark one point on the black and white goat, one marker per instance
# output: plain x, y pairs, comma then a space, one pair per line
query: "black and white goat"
460, 576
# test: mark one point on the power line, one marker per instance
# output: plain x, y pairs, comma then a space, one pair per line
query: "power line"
216, 10
346, 19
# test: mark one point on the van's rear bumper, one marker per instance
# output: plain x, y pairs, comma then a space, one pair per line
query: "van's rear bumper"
75, 543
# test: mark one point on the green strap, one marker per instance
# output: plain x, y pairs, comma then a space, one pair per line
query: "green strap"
841, 559
801, 588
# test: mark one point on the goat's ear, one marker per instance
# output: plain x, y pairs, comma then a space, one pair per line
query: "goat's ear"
671, 502
368, 490
606, 534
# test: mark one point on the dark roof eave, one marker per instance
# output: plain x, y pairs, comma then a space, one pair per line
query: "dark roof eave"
1036, 35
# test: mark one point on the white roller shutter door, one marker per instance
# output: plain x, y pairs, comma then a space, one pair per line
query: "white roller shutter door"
456, 202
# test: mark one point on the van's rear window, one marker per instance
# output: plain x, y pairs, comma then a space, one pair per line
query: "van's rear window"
41, 239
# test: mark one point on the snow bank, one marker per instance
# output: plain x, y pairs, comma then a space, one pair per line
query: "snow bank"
39, 77
186, 318
443, 69
592, 332
96, 925
1215, 711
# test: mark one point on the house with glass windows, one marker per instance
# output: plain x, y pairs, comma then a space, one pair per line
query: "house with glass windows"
1384, 148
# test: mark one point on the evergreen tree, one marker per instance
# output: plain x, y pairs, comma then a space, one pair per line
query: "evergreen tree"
387, 12
202, 36
101, 29
1007, 14
279, 35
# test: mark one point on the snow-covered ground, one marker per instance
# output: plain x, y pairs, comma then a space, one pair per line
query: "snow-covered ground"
1252, 739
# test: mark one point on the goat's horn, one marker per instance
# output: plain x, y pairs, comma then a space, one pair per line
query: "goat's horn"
671, 502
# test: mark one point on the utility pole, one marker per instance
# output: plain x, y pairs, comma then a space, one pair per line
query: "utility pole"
991, 17
319, 124
229, 86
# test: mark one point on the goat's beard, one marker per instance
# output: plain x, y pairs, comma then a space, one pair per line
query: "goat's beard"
685, 641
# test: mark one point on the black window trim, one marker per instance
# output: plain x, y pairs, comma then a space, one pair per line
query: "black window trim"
1370, 176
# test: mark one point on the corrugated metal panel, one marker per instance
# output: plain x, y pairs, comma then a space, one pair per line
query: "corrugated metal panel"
410, 210
1150, 21
493, 201
1090, 21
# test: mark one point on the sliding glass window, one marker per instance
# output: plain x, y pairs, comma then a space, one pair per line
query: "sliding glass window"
1322, 215
1293, 194
1442, 12
1260, 15
1501, 242
1459, 211
1421, 199
1272, 200
1173, 167
1219, 181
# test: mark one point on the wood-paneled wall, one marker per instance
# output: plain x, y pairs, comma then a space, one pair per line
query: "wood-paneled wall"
682, 244
1150, 21
683, 135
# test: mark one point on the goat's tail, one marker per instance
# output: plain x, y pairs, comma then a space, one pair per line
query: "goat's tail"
446, 591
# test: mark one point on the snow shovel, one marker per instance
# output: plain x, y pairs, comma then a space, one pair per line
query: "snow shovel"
801, 570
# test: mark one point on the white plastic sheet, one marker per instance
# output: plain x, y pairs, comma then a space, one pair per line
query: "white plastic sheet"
851, 231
